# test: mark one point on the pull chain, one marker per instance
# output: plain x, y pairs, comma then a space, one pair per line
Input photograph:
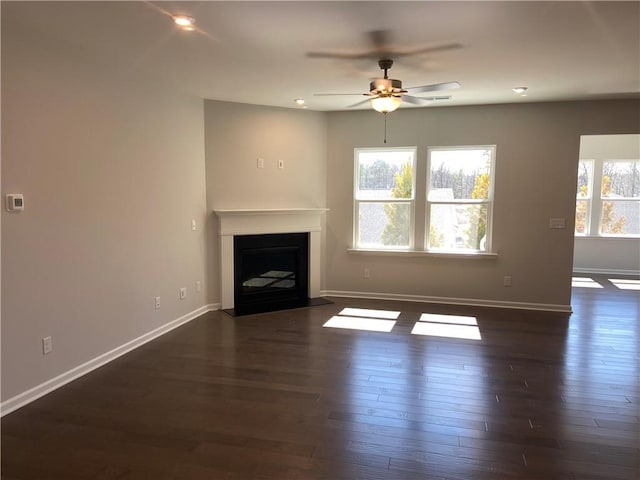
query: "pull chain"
385, 127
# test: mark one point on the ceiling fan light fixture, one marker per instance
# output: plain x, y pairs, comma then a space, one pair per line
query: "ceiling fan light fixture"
386, 104
385, 85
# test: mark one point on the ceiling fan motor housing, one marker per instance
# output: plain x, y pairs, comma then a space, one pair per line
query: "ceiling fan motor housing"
385, 86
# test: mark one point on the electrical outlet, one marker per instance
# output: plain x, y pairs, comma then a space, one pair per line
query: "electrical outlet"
198, 286
193, 224
157, 303
280, 164
507, 281
260, 163
183, 293
47, 345
366, 273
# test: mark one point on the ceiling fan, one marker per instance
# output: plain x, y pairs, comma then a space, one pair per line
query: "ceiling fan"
386, 94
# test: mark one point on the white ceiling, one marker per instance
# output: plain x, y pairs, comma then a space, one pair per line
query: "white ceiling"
255, 52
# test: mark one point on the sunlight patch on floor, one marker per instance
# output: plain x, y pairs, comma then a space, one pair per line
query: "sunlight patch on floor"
625, 284
451, 326
453, 319
584, 282
360, 323
370, 313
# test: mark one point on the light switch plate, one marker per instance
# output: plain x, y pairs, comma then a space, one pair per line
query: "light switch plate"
15, 202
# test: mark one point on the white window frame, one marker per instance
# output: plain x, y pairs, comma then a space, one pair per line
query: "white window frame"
589, 198
593, 227
358, 201
489, 201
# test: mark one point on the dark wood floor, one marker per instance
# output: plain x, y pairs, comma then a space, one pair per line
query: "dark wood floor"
277, 396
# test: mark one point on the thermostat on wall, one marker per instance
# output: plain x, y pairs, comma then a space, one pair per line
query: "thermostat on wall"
15, 202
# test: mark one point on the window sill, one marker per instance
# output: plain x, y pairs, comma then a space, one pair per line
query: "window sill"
606, 237
421, 253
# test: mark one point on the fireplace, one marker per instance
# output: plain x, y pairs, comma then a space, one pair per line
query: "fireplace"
271, 272
238, 223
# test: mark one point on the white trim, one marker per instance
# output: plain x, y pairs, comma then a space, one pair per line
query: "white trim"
595, 200
607, 237
606, 271
265, 211
49, 386
227, 289
254, 221
358, 201
421, 253
486, 201
472, 302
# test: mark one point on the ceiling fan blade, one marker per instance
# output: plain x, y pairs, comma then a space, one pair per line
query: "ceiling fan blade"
416, 100
382, 47
436, 87
432, 49
343, 56
359, 103
438, 98
380, 39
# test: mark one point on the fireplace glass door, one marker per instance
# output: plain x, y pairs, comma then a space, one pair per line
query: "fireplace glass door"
271, 272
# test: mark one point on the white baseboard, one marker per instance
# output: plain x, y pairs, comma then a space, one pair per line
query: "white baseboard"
606, 271
472, 302
38, 391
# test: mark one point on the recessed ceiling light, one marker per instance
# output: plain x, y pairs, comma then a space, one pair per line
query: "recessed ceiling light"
299, 101
184, 22
520, 90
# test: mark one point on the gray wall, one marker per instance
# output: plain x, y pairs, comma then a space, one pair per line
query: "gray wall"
535, 179
112, 170
236, 136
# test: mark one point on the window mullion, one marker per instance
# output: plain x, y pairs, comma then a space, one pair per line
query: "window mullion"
420, 207
596, 198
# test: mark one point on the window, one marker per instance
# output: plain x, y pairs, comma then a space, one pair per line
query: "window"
459, 198
615, 210
384, 198
583, 200
453, 214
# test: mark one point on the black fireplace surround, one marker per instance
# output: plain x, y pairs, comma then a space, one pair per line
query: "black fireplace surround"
271, 272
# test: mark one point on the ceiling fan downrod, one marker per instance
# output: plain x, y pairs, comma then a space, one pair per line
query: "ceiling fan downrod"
385, 86
385, 64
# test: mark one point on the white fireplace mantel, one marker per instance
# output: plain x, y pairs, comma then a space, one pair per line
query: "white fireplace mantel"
233, 222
